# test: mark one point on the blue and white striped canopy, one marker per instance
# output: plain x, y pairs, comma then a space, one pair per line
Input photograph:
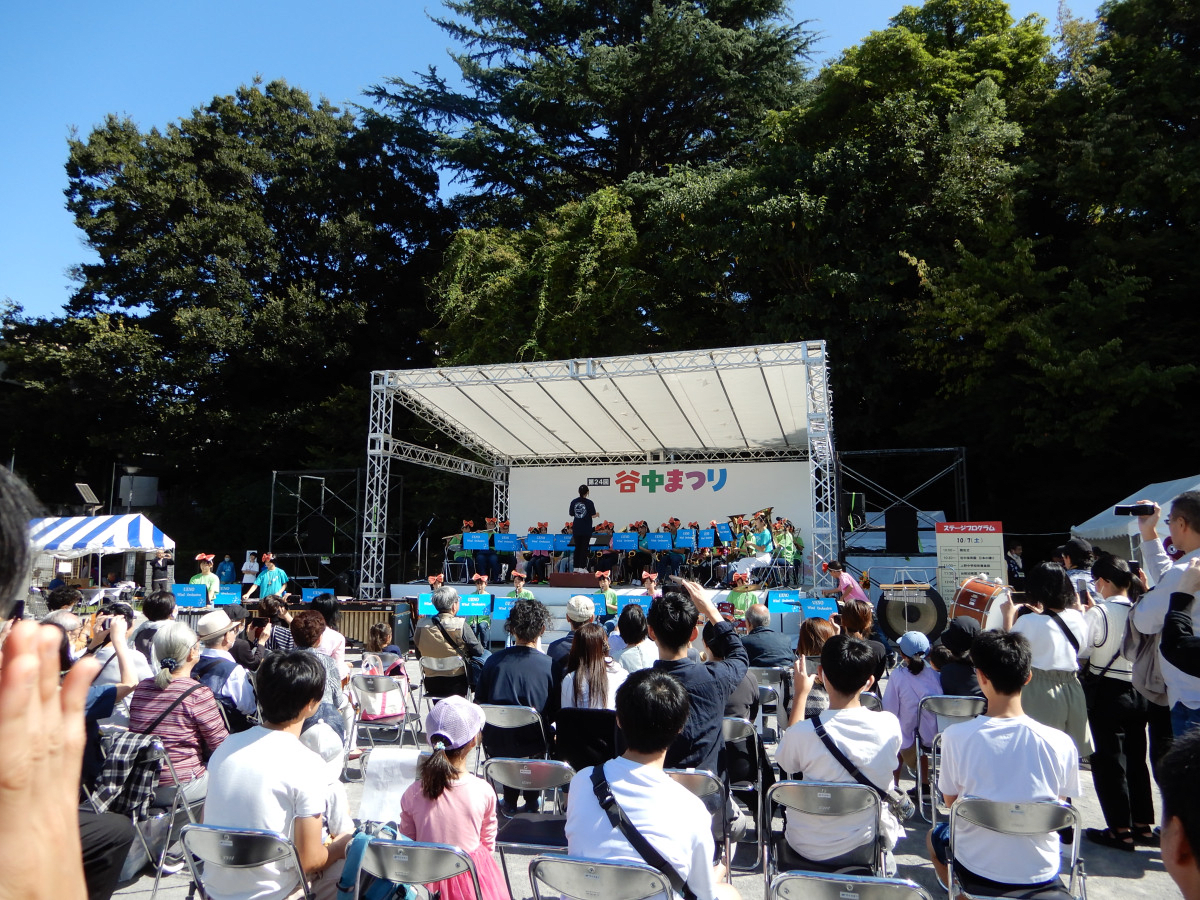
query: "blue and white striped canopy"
73, 536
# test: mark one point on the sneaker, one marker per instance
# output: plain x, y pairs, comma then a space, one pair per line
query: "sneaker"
172, 864
637, 582
506, 809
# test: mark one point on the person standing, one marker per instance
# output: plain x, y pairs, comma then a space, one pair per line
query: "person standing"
271, 580
226, 574
582, 510
206, 577
160, 570
249, 572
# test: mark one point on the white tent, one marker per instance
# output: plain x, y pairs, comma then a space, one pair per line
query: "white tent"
1119, 534
70, 537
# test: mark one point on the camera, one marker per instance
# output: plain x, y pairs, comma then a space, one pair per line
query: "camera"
1135, 509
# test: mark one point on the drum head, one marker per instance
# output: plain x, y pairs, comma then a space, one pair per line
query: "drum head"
911, 610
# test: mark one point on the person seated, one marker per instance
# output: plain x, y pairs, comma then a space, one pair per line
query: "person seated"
813, 635
519, 675
741, 595
742, 701
871, 740
640, 652
218, 671
307, 628
158, 608
275, 610
592, 675
1179, 779
63, 597
857, 618
104, 650
252, 635
379, 640
447, 635
764, 645
265, 778
580, 611
956, 671
1009, 757
333, 642
652, 711
181, 711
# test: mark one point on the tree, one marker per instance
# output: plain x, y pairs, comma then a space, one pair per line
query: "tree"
566, 97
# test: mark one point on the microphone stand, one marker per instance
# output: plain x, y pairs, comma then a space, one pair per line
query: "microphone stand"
422, 541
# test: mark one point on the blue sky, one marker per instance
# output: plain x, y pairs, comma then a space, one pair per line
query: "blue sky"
69, 63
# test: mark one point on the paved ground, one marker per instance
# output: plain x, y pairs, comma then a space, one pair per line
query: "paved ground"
1111, 874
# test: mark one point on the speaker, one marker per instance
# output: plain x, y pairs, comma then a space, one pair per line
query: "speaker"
900, 527
910, 609
402, 627
318, 538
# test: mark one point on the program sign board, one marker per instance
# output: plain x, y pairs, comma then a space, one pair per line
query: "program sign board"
969, 548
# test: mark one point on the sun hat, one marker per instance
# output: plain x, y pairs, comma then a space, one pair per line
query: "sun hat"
580, 608
213, 625
913, 643
453, 722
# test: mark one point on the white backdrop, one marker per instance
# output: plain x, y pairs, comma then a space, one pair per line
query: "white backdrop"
538, 494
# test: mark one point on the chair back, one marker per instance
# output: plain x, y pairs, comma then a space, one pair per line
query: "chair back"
1033, 818
500, 716
735, 729
237, 848
587, 737
822, 798
812, 886
770, 676
387, 660
951, 709
870, 701
412, 862
529, 774
588, 879
372, 684
440, 665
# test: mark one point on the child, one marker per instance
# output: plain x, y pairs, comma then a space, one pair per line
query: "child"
650, 583
518, 592
449, 805
604, 586
741, 596
847, 588
912, 682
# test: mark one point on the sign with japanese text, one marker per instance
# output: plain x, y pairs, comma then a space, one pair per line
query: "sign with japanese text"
969, 548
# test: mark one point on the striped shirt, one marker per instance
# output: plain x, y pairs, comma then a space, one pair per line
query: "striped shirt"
190, 732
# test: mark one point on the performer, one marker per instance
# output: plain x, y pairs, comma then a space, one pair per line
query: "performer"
650, 583
487, 561
741, 595
539, 560
641, 558
519, 592
847, 588
671, 561
271, 580
249, 572
456, 550
606, 556
582, 510
604, 586
205, 576
759, 547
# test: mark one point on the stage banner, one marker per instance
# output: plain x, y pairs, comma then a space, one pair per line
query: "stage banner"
642, 600
685, 538
706, 537
724, 532
228, 594
969, 548
659, 540
562, 541
625, 540
475, 540
540, 542
656, 491
190, 595
508, 543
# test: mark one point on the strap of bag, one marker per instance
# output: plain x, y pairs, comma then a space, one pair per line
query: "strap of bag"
457, 648
1065, 630
644, 848
848, 765
174, 703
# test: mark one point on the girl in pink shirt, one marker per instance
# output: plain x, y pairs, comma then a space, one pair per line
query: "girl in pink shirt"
847, 587
449, 805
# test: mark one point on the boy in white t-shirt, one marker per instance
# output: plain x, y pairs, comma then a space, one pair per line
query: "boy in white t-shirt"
652, 708
265, 778
870, 740
1008, 757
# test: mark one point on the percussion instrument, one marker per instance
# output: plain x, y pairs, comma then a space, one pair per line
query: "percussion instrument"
910, 606
980, 600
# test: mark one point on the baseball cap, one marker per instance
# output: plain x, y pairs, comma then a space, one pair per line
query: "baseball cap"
960, 634
236, 612
913, 643
213, 624
1077, 549
453, 722
580, 608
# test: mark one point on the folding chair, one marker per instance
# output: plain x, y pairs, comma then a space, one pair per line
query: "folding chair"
811, 886
531, 831
950, 709
871, 701
452, 567
510, 718
772, 691
213, 847
365, 686
825, 799
413, 862
743, 765
711, 791
586, 737
1035, 818
440, 667
574, 878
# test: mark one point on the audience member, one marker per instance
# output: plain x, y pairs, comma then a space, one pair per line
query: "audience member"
265, 778
871, 740
1057, 636
814, 633
519, 675
67, 598
449, 805
640, 652
250, 570
274, 609
764, 645
1004, 756
1179, 779
181, 711
379, 640
858, 620
110, 671
307, 628
252, 637
333, 642
1117, 714
742, 701
160, 570
1077, 555
956, 671
217, 670
446, 635
580, 611
592, 676
1149, 615
910, 683
158, 608
652, 710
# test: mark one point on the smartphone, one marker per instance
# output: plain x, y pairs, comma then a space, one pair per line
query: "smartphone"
18, 611
811, 663
1134, 567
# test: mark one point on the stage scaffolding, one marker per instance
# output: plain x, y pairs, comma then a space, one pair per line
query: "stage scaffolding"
739, 404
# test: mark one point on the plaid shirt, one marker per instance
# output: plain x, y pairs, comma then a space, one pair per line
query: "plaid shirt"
126, 783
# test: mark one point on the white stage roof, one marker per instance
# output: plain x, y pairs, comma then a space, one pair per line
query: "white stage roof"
740, 401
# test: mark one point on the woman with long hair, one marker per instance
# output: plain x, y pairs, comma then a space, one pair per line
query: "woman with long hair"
592, 676
813, 635
858, 620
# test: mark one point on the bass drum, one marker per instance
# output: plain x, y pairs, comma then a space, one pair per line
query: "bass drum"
980, 599
911, 608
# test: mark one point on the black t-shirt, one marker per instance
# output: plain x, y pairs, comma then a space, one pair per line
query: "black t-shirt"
581, 510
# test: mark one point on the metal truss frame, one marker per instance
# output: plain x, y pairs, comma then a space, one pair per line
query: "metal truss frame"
403, 386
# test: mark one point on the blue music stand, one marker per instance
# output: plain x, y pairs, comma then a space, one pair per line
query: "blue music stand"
425, 604
190, 595
476, 540
659, 540
507, 543
228, 595
724, 532
540, 541
642, 600
706, 537
685, 539
625, 540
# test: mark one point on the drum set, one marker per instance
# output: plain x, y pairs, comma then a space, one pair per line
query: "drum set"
911, 604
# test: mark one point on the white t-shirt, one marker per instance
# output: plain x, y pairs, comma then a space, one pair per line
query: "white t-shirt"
1051, 649
261, 779
872, 741
670, 817
616, 677
1013, 761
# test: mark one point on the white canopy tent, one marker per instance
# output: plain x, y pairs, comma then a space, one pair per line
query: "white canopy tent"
1119, 534
767, 402
70, 537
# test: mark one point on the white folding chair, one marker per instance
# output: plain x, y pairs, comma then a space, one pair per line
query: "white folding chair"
364, 687
772, 690
744, 766
208, 847
870, 701
439, 667
950, 709
512, 717
813, 886
531, 831
1032, 819
711, 791
832, 800
574, 878
413, 862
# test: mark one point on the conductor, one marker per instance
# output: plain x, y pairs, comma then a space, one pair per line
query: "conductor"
582, 511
